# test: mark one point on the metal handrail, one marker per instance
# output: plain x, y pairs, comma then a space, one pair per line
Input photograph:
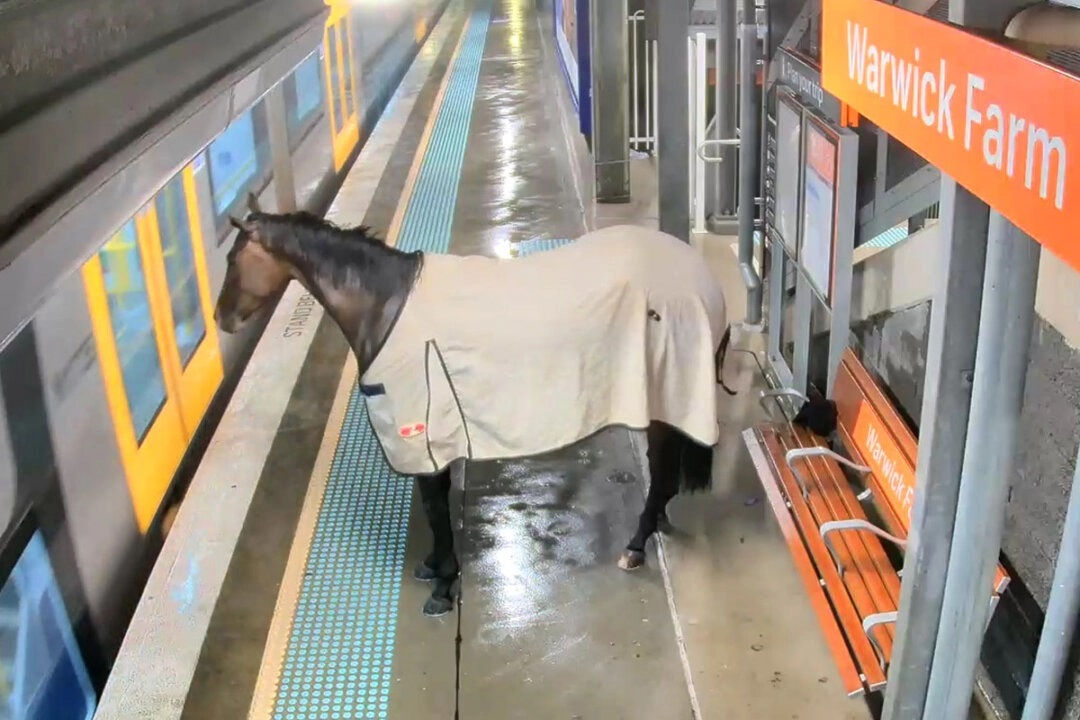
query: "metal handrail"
728, 142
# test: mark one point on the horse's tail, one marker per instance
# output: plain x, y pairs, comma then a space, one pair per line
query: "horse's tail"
697, 462
721, 355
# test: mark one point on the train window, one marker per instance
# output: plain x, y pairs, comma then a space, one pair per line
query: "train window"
133, 327
303, 97
42, 673
174, 227
239, 161
233, 162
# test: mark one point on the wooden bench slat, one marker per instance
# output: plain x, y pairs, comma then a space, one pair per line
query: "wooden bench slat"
844, 505
860, 576
834, 638
865, 657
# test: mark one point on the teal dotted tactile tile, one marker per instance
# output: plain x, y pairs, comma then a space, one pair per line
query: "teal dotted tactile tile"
339, 659
430, 216
528, 247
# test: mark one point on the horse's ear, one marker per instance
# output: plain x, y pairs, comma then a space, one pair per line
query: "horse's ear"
238, 224
253, 203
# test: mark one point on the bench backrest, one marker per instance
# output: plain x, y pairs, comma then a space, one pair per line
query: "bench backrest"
876, 436
871, 427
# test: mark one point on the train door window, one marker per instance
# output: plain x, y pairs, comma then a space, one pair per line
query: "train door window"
133, 354
42, 673
133, 327
175, 242
333, 62
178, 253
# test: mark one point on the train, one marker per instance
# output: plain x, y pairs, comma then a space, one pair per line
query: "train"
111, 384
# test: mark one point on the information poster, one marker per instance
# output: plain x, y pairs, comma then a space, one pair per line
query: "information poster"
819, 190
788, 134
566, 40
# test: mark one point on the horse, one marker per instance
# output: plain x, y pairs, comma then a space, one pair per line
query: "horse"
467, 357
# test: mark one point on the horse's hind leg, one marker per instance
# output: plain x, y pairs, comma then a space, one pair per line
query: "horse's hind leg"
664, 448
442, 564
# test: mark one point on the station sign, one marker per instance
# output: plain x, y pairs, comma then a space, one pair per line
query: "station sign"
995, 120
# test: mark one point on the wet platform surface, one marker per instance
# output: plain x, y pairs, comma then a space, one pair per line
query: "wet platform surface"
547, 626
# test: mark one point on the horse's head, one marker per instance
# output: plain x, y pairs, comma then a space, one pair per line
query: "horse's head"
254, 276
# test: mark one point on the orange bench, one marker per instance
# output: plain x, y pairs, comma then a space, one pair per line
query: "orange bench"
840, 526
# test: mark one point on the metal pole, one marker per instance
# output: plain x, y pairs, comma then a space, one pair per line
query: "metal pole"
280, 157
943, 427
1060, 624
950, 360
673, 117
1005, 325
700, 116
725, 104
608, 31
633, 20
749, 113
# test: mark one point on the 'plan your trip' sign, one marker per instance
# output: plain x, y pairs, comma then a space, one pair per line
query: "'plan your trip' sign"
805, 80
995, 120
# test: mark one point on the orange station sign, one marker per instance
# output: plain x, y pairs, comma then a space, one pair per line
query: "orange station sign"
1001, 124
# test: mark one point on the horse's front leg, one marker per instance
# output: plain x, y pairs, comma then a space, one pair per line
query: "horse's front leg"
442, 564
663, 486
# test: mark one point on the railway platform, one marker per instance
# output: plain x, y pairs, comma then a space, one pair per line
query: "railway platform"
284, 589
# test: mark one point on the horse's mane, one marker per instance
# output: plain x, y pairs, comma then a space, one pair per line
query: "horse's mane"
328, 250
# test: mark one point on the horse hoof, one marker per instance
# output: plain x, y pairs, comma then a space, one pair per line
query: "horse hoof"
437, 607
631, 559
423, 572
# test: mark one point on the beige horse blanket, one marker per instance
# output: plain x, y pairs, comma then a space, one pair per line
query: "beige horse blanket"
501, 358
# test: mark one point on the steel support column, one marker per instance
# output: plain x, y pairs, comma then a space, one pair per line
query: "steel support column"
673, 116
1060, 624
997, 394
943, 428
749, 157
954, 326
726, 89
277, 120
608, 39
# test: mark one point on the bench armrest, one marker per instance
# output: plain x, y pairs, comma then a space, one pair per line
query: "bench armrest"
872, 621
804, 453
853, 524
780, 392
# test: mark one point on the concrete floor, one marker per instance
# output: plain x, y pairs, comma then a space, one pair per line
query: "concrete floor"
548, 627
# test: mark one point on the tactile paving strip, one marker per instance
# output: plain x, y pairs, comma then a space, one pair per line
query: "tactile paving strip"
528, 247
339, 658
340, 655
430, 215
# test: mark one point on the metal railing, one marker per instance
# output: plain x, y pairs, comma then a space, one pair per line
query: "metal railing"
642, 67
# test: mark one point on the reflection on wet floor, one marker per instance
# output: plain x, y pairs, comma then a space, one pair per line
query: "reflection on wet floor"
547, 617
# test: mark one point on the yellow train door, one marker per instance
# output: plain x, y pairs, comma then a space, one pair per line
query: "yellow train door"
149, 300
338, 64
